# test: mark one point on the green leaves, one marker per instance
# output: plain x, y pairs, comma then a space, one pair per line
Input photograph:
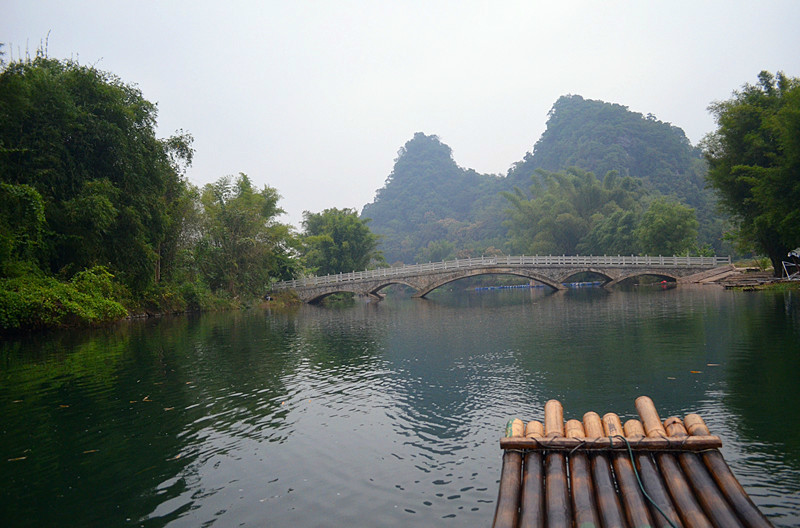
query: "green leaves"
85, 141
338, 241
428, 197
87, 191
754, 163
573, 212
242, 246
667, 228
32, 301
21, 223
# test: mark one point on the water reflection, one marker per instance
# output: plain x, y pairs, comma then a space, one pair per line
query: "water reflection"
380, 414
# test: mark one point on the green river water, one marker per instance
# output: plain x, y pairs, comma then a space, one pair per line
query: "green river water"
384, 414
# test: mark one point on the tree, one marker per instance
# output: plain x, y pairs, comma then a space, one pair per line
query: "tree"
85, 141
338, 241
612, 234
574, 212
436, 251
667, 228
21, 223
754, 163
242, 247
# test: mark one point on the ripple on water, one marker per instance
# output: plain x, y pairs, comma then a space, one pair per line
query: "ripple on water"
383, 415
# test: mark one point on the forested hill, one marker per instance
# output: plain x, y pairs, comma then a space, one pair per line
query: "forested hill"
599, 137
430, 208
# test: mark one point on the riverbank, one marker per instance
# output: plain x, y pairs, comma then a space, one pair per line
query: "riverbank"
750, 279
770, 285
92, 298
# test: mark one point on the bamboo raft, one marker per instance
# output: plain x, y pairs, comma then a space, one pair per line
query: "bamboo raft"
599, 473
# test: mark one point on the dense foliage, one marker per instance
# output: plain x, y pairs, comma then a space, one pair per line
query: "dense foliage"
21, 223
85, 142
36, 301
754, 159
601, 137
96, 210
241, 245
574, 212
568, 212
668, 228
338, 241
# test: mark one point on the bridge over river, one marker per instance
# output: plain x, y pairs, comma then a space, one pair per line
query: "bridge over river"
552, 271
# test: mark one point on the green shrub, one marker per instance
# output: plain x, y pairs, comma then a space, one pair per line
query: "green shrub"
32, 302
162, 298
198, 296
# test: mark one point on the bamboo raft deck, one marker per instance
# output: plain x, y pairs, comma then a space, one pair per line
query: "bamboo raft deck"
599, 473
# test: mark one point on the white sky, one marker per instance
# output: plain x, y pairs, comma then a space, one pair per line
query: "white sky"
315, 98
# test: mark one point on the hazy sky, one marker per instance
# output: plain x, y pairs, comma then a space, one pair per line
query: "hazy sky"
315, 98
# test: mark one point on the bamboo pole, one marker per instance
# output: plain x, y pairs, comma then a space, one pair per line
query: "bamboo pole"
608, 503
710, 497
553, 418
733, 491
688, 508
531, 511
649, 417
584, 506
534, 429
556, 491
651, 479
506, 513
631, 495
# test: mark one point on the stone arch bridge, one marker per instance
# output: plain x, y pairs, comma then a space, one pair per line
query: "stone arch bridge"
550, 270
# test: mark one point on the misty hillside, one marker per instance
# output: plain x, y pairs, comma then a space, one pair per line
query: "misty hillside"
430, 208
600, 137
430, 204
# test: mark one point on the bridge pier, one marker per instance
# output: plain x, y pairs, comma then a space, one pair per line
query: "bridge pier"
375, 297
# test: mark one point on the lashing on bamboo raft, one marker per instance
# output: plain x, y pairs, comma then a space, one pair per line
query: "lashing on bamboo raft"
599, 473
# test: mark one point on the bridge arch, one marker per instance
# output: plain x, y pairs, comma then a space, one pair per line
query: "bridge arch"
624, 277
607, 278
376, 290
318, 298
438, 282
371, 290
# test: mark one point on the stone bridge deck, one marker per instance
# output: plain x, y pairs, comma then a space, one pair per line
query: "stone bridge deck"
550, 270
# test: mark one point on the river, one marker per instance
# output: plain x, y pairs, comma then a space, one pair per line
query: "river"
384, 414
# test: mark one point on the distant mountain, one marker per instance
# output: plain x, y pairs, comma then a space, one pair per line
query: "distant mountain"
428, 199
430, 208
599, 137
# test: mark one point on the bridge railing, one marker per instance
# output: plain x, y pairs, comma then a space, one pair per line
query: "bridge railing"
615, 261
